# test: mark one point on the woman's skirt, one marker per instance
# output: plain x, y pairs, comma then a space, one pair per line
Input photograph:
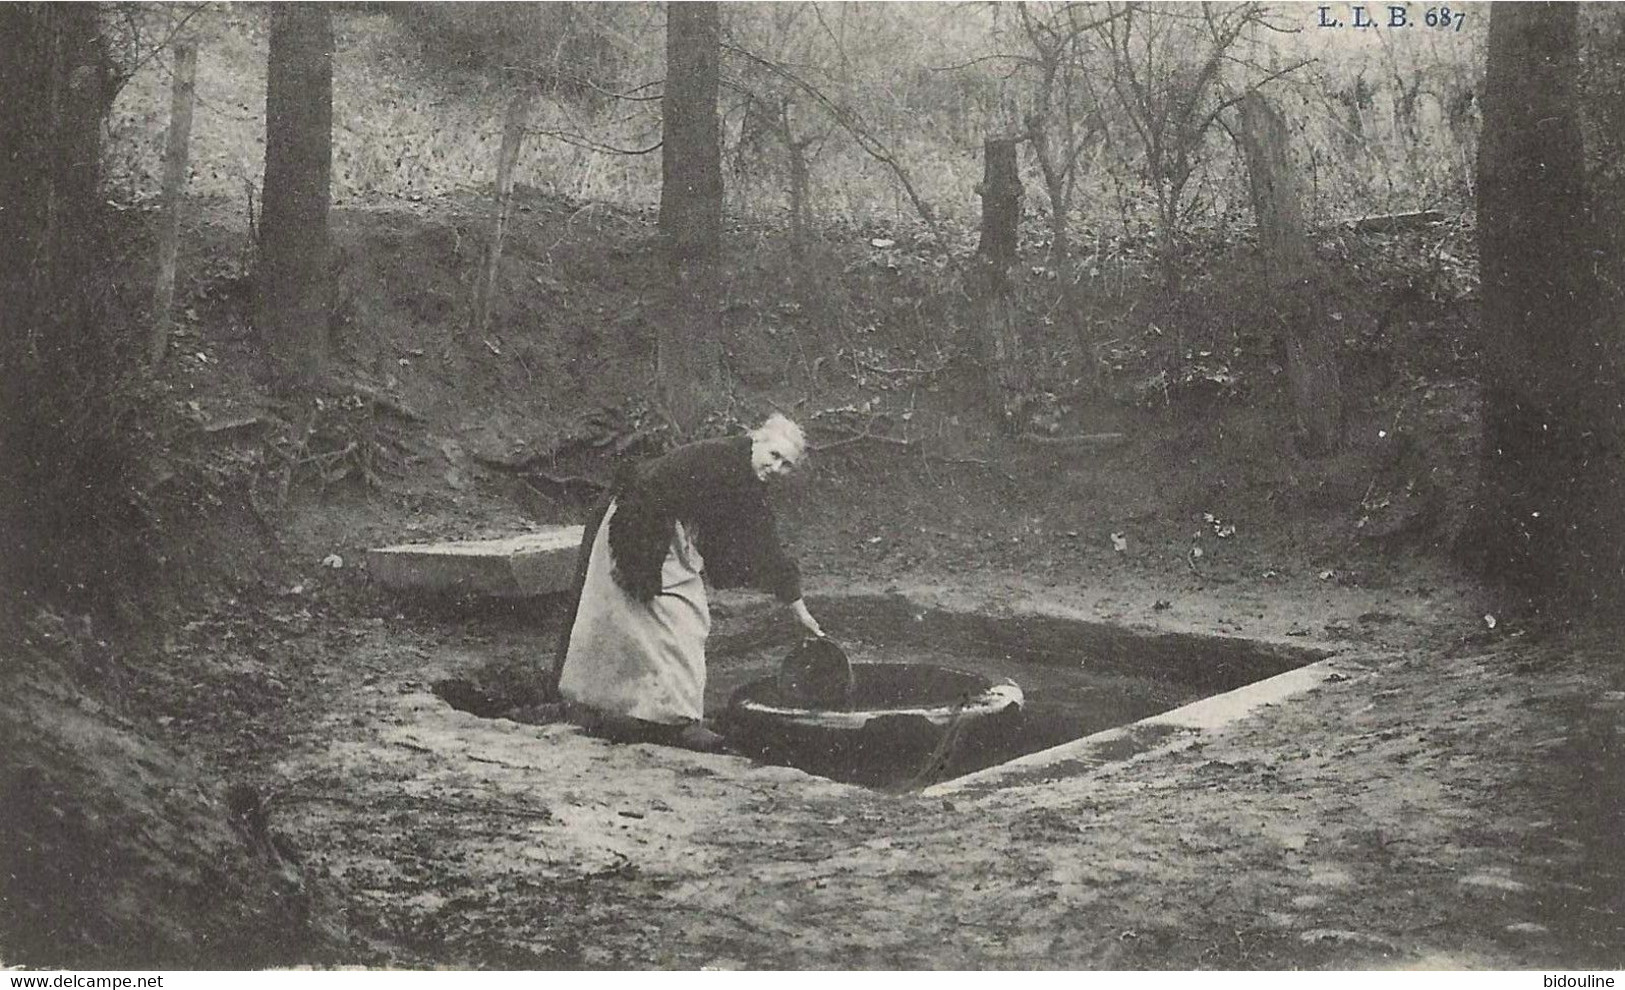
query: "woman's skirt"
641, 660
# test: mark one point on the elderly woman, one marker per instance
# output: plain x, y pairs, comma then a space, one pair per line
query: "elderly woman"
634, 657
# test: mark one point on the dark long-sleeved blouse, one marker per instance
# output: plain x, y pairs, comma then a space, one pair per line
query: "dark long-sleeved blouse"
710, 486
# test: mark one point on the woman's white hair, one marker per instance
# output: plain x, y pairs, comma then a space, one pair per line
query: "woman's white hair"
780, 425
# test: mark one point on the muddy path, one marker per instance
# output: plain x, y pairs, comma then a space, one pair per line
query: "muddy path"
1435, 806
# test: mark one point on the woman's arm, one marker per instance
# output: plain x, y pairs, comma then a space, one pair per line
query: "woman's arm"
799, 607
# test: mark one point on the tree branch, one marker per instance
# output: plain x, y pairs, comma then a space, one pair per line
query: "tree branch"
1255, 87
849, 122
574, 138
538, 76
980, 59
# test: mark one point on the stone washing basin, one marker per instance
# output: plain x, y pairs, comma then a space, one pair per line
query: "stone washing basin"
905, 723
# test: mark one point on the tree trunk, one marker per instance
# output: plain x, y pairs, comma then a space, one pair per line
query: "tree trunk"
1311, 351
1055, 184
513, 137
62, 378
689, 354
1008, 382
293, 282
182, 98
799, 192
1549, 515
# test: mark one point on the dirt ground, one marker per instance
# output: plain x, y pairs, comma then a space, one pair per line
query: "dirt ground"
1450, 804
1450, 799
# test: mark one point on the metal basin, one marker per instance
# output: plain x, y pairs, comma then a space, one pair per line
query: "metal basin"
908, 724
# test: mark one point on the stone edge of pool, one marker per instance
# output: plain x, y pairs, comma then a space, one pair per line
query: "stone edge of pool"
1168, 730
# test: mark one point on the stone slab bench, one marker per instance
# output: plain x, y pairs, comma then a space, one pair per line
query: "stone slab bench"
538, 563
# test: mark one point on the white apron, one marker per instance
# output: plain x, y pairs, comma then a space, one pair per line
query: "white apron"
643, 661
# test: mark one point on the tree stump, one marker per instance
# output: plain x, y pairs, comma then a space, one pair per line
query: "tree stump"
1311, 350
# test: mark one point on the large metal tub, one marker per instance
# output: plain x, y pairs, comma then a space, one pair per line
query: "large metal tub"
907, 725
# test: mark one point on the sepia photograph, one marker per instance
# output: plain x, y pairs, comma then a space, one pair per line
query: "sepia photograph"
1111, 488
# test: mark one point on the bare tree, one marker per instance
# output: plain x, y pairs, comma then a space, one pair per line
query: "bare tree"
1064, 117
1168, 67
798, 160
850, 120
774, 134
514, 122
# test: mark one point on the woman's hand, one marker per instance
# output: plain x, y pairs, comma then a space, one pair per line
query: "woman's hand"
803, 616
